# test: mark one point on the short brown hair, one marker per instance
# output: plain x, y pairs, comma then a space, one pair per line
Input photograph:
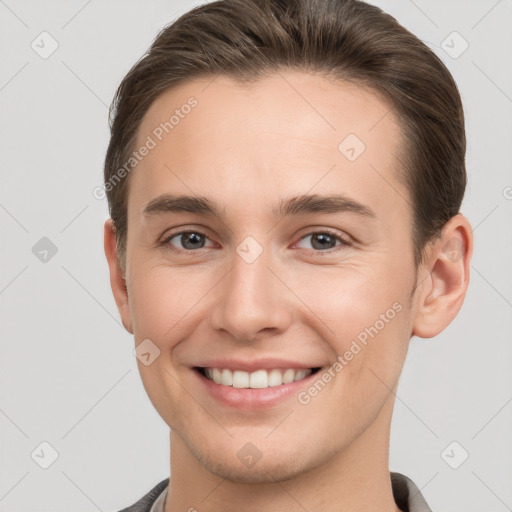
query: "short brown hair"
346, 39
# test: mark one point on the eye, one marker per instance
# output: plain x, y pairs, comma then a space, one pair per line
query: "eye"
189, 240
192, 240
324, 240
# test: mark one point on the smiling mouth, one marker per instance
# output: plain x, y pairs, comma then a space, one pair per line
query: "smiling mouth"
258, 379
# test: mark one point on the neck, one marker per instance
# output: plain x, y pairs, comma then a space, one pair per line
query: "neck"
356, 479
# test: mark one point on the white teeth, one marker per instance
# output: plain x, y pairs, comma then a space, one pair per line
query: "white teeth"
288, 376
255, 380
258, 379
300, 374
240, 379
226, 378
274, 378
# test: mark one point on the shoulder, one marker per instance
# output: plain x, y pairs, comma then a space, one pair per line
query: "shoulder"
146, 502
407, 495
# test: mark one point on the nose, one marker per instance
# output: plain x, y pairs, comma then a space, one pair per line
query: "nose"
251, 301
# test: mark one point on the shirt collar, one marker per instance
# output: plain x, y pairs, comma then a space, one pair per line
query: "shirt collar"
407, 495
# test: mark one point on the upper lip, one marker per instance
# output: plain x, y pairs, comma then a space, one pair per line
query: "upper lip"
267, 363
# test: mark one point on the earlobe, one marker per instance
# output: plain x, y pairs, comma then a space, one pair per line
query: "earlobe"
117, 278
442, 293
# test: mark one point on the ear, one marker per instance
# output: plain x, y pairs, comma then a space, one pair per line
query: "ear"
117, 281
444, 278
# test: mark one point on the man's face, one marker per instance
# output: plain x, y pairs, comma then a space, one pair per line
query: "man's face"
254, 285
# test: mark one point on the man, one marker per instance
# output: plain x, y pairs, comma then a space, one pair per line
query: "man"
284, 180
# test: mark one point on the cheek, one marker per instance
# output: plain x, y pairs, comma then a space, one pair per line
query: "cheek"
350, 298
164, 305
364, 317
162, 299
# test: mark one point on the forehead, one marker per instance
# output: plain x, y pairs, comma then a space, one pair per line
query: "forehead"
293, 99
288, 132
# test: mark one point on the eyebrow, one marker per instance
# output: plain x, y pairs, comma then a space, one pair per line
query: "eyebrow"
294, 206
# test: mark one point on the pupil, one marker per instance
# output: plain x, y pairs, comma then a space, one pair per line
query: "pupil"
191, 238
322, 238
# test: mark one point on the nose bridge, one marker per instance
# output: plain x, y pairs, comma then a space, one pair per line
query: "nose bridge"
251, 298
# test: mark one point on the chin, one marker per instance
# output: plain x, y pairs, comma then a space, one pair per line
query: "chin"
261, 472
271, 468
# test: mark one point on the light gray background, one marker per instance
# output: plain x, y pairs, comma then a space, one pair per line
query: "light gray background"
67, 371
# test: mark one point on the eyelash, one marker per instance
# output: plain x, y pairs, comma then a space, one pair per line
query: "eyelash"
344, 242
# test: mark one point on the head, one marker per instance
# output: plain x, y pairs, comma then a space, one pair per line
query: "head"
241, 106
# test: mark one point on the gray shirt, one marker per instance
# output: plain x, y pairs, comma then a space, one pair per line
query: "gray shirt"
407, 496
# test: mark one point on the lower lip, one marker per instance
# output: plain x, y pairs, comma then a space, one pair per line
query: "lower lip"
249, 398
